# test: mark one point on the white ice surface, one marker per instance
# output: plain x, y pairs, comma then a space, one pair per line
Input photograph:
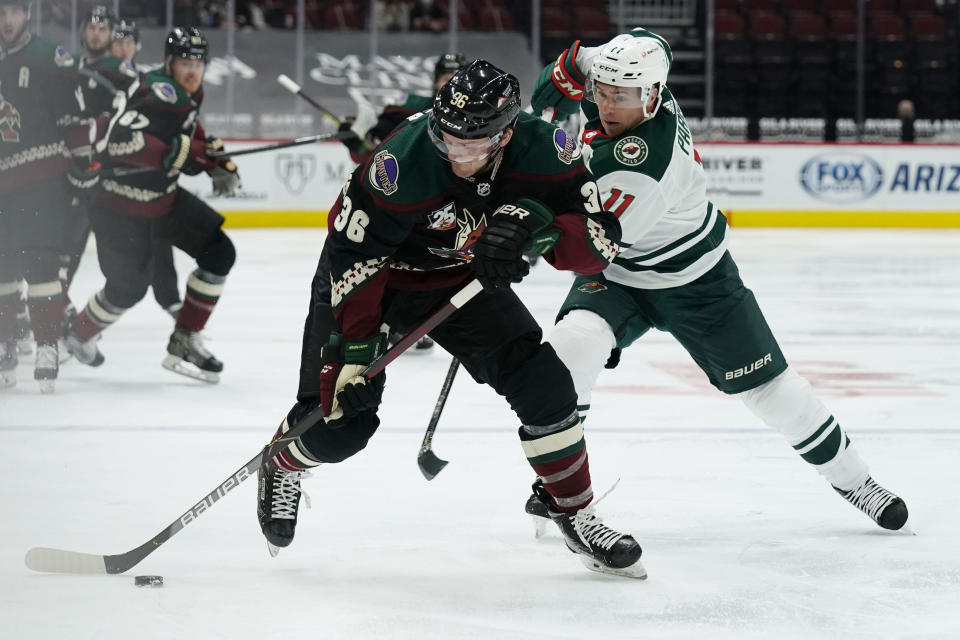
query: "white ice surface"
741, 539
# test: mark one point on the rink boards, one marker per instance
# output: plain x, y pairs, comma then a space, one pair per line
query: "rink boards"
758, 184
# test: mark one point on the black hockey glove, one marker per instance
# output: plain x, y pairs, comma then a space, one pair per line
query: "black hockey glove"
513, 230
344, 392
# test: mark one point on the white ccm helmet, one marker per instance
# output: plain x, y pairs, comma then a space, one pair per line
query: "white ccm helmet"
631, 61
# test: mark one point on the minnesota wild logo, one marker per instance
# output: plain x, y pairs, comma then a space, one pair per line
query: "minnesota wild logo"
630, 151
591, 287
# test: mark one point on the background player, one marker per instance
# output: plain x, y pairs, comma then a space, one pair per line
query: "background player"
159, 131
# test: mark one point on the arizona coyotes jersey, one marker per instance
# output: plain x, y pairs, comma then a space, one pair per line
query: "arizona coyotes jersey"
157, 111
404, 220
38, 98
652, 179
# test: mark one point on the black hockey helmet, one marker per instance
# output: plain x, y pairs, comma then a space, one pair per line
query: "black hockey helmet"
21, 3
185, 42
99, 13
449, 63
127, 29
479, 101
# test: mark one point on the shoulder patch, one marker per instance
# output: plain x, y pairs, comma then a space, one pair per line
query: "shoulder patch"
165, 92
384, 172
127, 69
62, 57
567, 148
631, 151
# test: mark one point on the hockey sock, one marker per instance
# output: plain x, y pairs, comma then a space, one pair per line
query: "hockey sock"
96, 316
558, 454
787, 403
46, 303
9, 306
583, 341
203, 291
293, 458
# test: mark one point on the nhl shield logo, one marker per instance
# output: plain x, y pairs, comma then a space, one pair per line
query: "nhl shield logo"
483, 189
295, 171
591, 287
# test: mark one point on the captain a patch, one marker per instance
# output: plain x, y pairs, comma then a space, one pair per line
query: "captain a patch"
384, 172
630, 151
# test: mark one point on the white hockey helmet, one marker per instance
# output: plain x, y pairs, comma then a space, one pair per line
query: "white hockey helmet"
637, 63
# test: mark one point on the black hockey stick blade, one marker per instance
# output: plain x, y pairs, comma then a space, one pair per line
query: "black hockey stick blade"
430, 464
49, 560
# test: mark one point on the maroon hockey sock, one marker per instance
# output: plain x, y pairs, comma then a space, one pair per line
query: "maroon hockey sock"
95, 317
560, 460
9, 307
46, 303
198, 304
292, 458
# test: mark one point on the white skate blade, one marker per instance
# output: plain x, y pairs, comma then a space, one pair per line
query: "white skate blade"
636, 570
273, 549
184, 368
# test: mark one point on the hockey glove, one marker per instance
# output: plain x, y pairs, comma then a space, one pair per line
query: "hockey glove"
83, 175
563, 90
182, 150
514, 229
344, 392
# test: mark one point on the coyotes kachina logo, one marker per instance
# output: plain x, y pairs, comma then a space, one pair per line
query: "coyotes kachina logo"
591, 287
9, 121
468, 230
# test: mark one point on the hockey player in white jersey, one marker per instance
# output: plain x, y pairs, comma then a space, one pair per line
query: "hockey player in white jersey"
674, 272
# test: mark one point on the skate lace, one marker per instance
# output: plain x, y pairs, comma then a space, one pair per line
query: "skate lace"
870, 498
589, 526
47, 357
195, 343
286, 486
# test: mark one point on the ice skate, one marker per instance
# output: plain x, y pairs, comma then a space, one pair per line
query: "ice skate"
8, 364
423, 345
85, 351
883, 507
187, 356
278, 500
539, 513
46, 367
600, 548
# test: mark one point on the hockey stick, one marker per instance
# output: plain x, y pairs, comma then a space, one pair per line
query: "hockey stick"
366, 118
296, 142
61, 561
430, 464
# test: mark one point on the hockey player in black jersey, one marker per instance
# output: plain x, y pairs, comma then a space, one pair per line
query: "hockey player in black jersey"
458, 192
159, 131
38, 81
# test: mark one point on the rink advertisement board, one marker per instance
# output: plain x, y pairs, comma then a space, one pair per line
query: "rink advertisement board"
797, 185
292, 187
834, 185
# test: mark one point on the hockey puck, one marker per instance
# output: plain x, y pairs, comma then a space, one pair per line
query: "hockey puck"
148, 581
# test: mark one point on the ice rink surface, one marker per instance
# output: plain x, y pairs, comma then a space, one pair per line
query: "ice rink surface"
741, 538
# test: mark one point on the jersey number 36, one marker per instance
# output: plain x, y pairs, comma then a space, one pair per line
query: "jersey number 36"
353, 220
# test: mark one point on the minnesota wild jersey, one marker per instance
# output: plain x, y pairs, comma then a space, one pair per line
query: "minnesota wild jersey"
404, 220
652, 179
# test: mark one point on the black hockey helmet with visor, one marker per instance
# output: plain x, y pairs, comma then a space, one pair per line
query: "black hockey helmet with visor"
477, 104
186, 42
127, 29
449, 63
